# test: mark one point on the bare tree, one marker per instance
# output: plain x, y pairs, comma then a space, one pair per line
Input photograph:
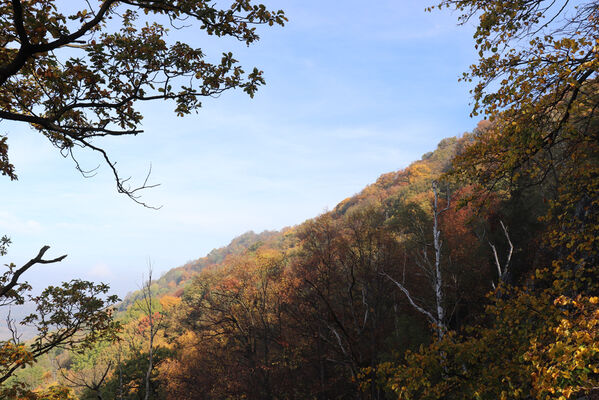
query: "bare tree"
503, 270
90, 378
436, 314
155, 322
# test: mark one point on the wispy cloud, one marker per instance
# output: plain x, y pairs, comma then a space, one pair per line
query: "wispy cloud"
10, 224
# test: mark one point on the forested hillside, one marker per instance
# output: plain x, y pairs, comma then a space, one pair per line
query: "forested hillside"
470, 274
174, 281
308, 310
419, 286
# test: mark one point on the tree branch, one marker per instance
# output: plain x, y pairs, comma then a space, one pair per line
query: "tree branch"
17, 9
36, 260
27, 50
405, 291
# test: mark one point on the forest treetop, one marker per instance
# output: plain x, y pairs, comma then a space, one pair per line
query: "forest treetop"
535, 51
536, 80
78, 76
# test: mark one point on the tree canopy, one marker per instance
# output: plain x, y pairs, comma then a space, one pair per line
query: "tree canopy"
77, 75
536, 80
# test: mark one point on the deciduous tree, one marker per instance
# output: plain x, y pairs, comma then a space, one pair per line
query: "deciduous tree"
536, 80
78, 74
71, 316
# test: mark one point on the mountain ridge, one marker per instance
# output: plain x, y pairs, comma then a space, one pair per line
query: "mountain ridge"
387, 186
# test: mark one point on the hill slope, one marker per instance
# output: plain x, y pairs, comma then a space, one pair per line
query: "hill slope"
388, 187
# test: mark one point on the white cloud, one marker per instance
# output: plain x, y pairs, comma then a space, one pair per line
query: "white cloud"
10, 224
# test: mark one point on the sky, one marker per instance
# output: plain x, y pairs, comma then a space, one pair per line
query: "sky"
352, 92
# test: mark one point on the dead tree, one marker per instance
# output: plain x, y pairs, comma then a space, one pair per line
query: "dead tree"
436, 315
503, 270
154, 320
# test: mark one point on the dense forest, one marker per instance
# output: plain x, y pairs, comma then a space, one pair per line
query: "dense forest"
470, 274
413, 288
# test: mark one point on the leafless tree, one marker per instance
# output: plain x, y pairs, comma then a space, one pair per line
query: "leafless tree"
91, 378
503, 270
154, 321
436, 315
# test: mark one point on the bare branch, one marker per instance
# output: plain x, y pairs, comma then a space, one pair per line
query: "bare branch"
503, 270
36, 260
405, 291
12, 327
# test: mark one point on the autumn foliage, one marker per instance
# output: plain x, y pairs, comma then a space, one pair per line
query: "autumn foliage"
470, 274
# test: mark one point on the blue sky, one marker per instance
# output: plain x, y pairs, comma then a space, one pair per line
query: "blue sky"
352, 92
